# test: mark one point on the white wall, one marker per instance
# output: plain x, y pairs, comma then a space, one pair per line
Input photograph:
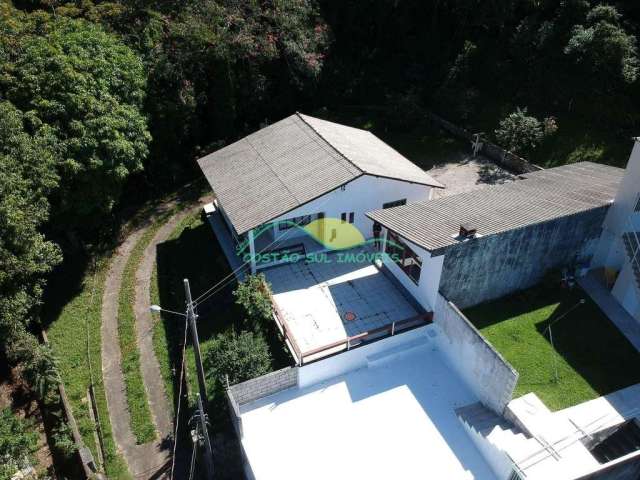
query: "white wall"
626, 291
426, 291
354, 359
473, 358
362, 195
610, 250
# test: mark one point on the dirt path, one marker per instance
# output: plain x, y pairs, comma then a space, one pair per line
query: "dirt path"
153, 459
158, 400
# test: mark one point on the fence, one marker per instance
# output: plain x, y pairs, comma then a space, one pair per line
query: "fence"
507, 159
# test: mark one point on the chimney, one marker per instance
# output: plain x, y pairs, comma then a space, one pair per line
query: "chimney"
467, 231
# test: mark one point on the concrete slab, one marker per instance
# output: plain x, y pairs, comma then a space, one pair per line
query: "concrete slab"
629, 327
317, 299
468, 174
394, 418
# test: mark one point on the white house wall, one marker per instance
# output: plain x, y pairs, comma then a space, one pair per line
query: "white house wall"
610, 251
360, 196
426, 291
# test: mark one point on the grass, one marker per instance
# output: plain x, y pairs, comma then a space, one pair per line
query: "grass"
75, 297
591, 356
192, 251
141, 421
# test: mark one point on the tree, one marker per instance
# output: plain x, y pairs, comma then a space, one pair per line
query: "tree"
18, 443
603, 47
252, 295
519, 132
26, 257
89, 88
239, 356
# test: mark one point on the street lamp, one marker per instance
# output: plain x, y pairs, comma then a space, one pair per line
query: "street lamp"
158, 309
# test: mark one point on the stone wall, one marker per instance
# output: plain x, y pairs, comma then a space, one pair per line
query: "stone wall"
264, 386
491, 378
490, 267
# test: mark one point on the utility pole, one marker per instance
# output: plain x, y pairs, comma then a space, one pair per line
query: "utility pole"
202, 396
208, 458
191, 318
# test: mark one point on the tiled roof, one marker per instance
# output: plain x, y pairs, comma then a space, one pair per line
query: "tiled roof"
535, 198
294, 161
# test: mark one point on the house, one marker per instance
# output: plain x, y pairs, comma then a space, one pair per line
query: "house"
272, 183
483, 244
390, 378
614, 279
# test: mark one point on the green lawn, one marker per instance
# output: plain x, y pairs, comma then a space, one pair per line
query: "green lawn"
192, 252
74, 297
591, 356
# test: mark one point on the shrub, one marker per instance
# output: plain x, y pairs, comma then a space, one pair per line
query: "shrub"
239, 356
252, 295
519, 132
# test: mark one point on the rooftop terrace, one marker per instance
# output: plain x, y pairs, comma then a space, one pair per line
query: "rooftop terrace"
394, 418
341, 297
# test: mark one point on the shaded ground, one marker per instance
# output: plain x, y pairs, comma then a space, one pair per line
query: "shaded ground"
589, 357
192, 251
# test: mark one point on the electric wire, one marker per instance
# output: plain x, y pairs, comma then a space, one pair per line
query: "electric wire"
229, 278
175, 435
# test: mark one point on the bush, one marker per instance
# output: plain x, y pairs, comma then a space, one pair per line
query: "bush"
252, 295
239, 356
520, 133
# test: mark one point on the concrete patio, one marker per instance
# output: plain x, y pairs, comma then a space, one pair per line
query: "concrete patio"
317, 299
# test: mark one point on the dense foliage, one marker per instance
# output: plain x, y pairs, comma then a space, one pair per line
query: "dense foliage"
88, 88
237, 357
18, 443
252, 295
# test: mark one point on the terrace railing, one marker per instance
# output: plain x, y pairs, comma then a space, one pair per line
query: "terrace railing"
364, 337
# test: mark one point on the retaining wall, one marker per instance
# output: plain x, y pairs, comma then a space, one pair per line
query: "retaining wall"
491, 267
491, 378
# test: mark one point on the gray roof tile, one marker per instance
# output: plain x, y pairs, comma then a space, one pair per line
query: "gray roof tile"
537, 197
294, 161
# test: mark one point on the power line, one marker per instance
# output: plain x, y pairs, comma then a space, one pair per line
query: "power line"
229, 278
175, 435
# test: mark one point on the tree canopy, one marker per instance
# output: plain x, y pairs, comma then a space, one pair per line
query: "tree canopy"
88, 88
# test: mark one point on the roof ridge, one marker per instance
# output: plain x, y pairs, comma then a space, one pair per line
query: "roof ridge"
299, 115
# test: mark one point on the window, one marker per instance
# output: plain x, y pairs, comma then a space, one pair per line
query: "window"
403, 256
397, 203
637, 207
292, 222
343, 217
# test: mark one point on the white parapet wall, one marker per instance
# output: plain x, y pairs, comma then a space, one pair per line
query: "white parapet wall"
358, 357
472, 357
